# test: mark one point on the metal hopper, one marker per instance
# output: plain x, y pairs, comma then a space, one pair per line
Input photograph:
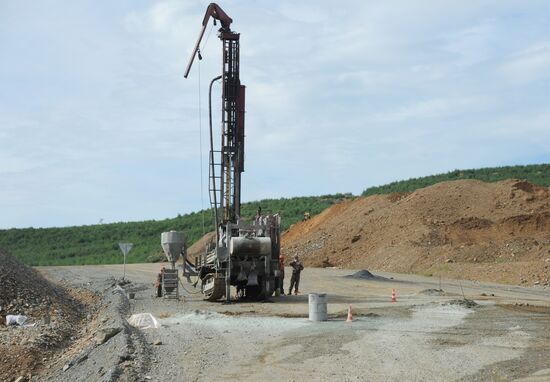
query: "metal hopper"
173, 244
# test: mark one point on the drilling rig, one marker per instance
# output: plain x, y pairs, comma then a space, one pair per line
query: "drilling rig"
245, 254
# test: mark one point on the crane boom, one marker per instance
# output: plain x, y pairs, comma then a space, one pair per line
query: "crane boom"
216, 13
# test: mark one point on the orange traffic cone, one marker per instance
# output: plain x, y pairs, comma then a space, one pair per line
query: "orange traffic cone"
393, 297
350, 316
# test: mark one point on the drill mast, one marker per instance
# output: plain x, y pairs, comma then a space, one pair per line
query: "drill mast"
232, 154
227, 205
245, 255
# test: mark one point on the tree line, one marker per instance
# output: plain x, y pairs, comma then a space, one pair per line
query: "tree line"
538, 174
98, 244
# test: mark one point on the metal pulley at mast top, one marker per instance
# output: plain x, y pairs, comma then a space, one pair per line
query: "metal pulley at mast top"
231, 152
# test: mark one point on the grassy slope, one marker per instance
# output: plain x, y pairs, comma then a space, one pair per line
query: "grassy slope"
538, 174
98, 244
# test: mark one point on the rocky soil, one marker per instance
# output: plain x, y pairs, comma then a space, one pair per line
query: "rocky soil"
77, 331
463, 229
109, 349
55, 313
445, 327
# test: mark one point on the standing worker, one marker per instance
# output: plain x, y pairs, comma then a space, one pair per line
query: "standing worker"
297, 267
280, 286
159, 282
259, 212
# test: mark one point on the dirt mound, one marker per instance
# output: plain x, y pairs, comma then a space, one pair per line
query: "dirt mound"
51, 308
463, 302
198, 248
463, 229
432, 292
365, 275
25, 291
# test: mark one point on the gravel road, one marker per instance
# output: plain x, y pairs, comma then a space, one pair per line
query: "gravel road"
425, 336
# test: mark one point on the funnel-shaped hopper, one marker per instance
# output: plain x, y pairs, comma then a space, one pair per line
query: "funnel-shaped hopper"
172, 243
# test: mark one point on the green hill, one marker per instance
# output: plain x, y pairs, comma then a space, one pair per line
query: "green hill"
537, 174
98, 244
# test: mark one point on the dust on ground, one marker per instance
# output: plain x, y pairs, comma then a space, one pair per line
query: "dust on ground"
439, 328
423, 336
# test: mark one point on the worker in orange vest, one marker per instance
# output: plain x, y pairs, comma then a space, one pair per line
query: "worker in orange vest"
159, 282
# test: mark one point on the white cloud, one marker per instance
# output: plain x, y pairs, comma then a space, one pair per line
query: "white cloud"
533, 128
368, 79
372, 88
304, 12
12, 163
433, 108
528, 65
471, 45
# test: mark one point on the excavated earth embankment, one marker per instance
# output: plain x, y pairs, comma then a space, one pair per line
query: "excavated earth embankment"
467, 229
54, 315
72, 333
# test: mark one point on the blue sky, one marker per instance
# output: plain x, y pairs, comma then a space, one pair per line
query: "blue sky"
97, 121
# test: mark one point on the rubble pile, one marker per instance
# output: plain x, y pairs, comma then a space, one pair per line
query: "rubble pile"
52, 315
24, 290
462, 229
